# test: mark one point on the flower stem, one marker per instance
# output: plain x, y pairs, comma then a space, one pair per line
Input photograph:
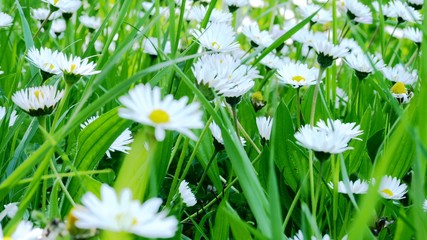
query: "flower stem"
206, 171
316, 92
298, 106
60, 107
43, 23
177, 171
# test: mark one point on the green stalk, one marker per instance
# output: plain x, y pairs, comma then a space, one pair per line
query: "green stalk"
205, 172
177, 171
60, 107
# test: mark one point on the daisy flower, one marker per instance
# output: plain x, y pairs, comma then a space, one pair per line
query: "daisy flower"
74, 68
124, 214
144, 105
210, 39
37, 101
257, 37
12, 118
58, 28
399, 73
364, 64
390, 188
45, 59
233, 5
93, 23
402, 12
358, 12
69, 7
217, 134
416, 4
413, 34
10, 210
399, 92
264, 125
198, 13
186, 194
328, 52
24, 231
224, 74
351, 45
64, 5
297, 75
41, 14
272, 61
327, 138
341, 98
121, 144
151, 44
357, 187
322, 16
5, 20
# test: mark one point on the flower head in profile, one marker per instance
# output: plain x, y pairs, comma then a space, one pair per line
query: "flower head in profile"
121, 144
198, 13
93, 23
10, 210
217, 134
211, 40
264, 125
297, 74
41, 14
413, 34
356, 187
257, 37
322, 16
358, 12
151, 46
390, 188
186, 194
364, 64
330, 137
66, 6
37, 101
328, 52
144, 105
233, 5
5, 20
403, 12
122, 214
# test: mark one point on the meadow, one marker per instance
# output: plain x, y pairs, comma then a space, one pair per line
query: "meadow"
232, 119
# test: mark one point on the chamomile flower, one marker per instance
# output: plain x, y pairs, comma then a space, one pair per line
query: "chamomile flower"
93, 23
63, 5
400, 93
198, 13
69, 7
351, 45
356, 187
264, 125
5, 20
74, 67
272, 61
328, 52
24, 231
210, 39
12, 118
58, 28
413, 34
186, 194
390, 188
257, 37
297, 75
358, 12
124, 214
37, 101
144, 105
121, 144
416, 4
399, 73
364, 64
327, 138
45, 59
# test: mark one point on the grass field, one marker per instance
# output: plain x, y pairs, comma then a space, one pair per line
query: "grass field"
231, 119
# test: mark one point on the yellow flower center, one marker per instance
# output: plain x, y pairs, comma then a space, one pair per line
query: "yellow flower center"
55, 2
134, 221
398, 88
388, 192
73, 67
38, 94
216, 45
257, 96
159, 116
298, 78
7, 238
